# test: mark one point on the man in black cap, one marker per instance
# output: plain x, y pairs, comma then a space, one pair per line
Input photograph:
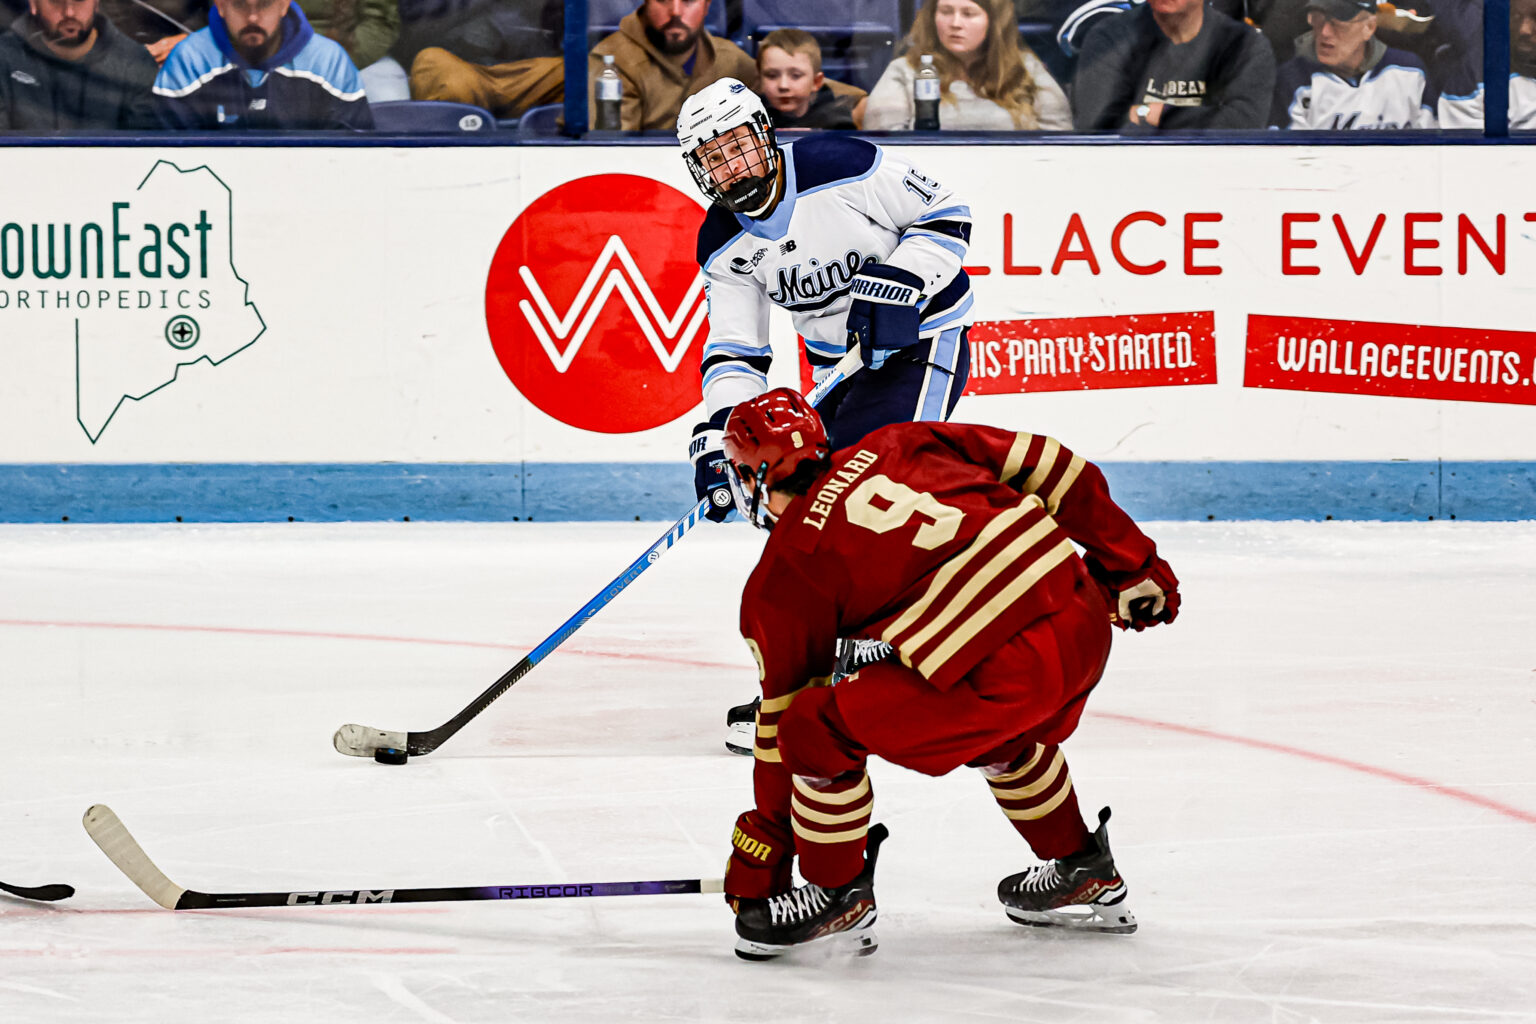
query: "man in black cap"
1343, 78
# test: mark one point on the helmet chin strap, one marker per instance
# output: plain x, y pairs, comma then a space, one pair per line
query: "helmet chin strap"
759, 488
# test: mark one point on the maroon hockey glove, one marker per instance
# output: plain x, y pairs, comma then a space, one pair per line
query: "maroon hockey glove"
1140, 599
762, 853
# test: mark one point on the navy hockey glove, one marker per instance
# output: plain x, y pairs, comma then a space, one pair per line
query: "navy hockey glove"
884, 315
707, 453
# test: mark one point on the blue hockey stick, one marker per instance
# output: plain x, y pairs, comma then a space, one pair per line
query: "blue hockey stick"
391, 747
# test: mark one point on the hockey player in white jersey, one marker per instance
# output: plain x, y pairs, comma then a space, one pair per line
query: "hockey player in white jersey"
863, 249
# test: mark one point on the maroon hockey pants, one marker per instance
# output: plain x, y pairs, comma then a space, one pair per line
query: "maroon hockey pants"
1006, 716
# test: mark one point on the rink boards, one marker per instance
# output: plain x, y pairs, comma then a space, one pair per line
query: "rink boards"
496, 333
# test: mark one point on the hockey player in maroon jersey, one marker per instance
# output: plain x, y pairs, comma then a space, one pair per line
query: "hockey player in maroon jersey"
955, 544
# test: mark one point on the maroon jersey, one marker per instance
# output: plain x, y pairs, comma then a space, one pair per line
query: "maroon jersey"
943, 539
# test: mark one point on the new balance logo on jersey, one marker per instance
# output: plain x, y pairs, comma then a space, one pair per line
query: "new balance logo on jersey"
787, 248
809, 282
601, 281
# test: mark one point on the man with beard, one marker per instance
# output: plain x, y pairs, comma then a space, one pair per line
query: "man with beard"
63, 66
1461, 104
260, 65
662, 52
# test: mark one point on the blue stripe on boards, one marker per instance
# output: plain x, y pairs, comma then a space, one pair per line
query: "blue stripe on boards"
568, 491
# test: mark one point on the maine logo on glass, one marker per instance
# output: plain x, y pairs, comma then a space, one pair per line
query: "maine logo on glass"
594, 300
142, 284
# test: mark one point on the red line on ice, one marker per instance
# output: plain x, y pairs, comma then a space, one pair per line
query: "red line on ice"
1340, 762
375, 637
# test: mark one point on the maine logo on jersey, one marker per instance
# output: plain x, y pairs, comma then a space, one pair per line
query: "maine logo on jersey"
595, 303
138, 285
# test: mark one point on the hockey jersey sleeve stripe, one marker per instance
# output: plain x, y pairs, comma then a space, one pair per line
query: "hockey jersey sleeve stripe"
1056, 469
954, 567
937, 239
944, 614
826, 350
1017, 458
946, 213
960, 229
812, 836
322, 82
198, 83
983, 616
777, 705
1068, 478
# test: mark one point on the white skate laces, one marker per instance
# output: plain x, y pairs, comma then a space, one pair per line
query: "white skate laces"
797, 904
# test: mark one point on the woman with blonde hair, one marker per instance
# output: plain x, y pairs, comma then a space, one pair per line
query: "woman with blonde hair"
987, 80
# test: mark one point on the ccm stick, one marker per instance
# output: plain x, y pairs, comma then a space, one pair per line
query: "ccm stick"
393, 747
109, 833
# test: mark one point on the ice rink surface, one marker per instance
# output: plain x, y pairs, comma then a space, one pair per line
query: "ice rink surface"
1323, 779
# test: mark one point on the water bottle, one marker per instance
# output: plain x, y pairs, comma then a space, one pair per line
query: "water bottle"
610, 93
925, 96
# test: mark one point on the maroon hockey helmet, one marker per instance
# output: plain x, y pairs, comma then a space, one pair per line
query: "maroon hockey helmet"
766, 440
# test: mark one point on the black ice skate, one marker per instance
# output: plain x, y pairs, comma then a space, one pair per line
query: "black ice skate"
769, 928
741, 727
853, 655
1083, 891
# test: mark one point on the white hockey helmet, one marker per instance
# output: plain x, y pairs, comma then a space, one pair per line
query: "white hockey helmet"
718, 110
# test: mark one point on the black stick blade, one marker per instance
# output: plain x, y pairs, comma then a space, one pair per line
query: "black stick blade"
45, 893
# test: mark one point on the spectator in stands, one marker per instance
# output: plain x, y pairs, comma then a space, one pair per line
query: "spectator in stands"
260, 65
1343, 78
662, 52
65, 66
798, 95
1172, 64
987, 80
1461, 95
481, 31
366, 29
157, 24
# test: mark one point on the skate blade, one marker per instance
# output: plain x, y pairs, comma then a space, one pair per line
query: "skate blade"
853, 944
741, 737
1112, 920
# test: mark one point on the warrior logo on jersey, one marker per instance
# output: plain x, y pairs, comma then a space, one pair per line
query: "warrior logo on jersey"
593, 302
815, 281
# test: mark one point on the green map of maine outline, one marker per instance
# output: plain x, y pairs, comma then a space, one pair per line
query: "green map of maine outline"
176, 374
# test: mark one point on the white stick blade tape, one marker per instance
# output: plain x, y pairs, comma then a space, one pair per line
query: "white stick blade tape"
109, 833
712, 885
361, 741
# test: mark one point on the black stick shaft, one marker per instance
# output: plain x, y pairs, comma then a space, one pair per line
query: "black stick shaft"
194, 900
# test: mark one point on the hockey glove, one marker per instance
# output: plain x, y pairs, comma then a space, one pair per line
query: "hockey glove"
1142, 598
707, 453
762, 853
884, 315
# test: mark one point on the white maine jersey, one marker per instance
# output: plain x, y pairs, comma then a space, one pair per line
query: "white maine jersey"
846, 202
1394, 94
1467, 111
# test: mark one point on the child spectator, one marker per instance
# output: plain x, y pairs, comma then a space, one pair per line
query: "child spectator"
987, 80
797, 93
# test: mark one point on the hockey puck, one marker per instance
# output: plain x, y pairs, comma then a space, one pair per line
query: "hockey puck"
389, 755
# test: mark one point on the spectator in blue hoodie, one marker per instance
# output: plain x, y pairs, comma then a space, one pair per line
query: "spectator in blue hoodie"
260, 65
